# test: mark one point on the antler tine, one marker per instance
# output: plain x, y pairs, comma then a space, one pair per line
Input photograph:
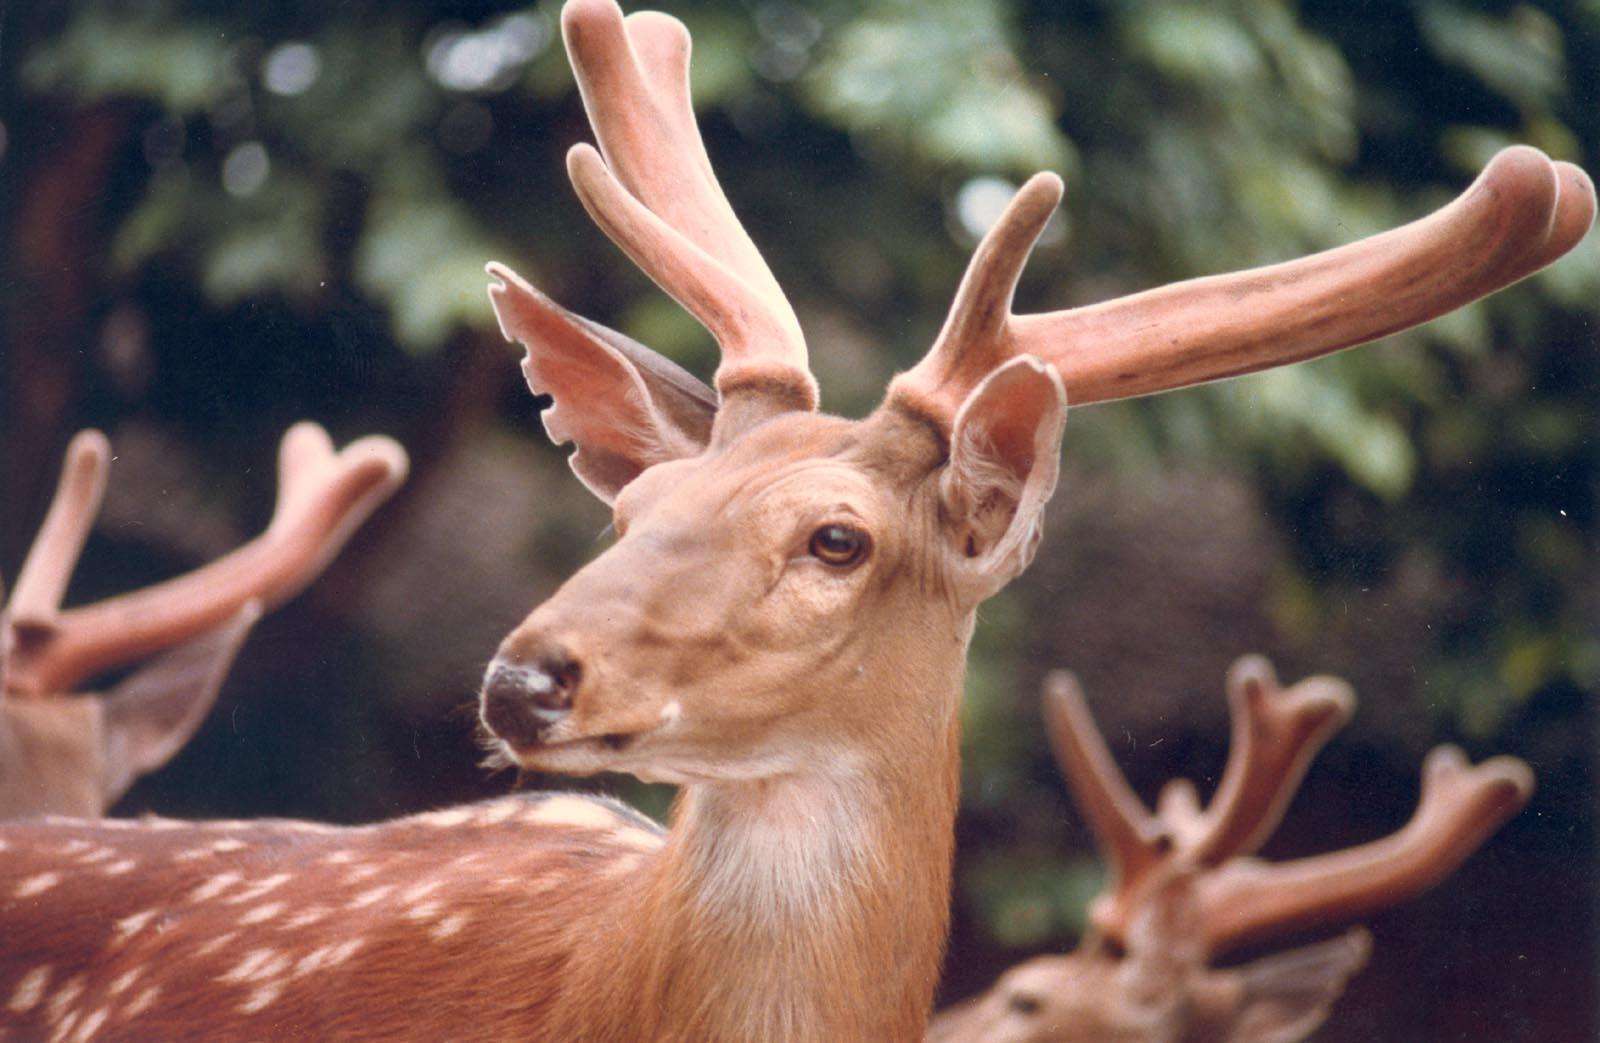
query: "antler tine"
324, 496
976, 337
1129, 837
655, 195
36, 600
1460, 808
1522, 213
1276, 733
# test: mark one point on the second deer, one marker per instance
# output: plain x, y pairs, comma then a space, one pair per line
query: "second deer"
781, 629
67, 753
1185, 890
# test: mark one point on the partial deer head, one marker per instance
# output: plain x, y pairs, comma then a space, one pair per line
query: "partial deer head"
66, 752
1185, 890
786, 581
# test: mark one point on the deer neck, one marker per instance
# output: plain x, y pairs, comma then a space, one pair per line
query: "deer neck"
811, 906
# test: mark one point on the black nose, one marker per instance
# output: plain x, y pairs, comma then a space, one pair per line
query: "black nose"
523, 700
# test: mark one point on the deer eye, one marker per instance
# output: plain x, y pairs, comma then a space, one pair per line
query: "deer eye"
840, 546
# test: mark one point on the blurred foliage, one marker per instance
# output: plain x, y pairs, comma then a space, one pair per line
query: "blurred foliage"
320, 157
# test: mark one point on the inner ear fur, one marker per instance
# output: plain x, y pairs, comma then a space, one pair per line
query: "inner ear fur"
1005, 448
625, 407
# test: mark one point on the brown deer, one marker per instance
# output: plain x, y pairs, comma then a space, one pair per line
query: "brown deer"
1184, 888
72, 754
781, 629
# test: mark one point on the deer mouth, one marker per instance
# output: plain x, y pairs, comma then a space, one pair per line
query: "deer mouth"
581, 755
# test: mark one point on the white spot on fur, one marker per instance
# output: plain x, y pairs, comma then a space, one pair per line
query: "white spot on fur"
129, 926
308, 916
247, 968
216, 943
499, 812
425, 911
121, 982
193, 854
448, 926
118, 868
376, 894
73, 847
4, 846
360, 873
160, 824
262, 998
417, 892
37, 884
64, 1026
91, 1024
339, 858
29, 990
672, 713
213, 887
262, 913
99, 854
445, 819
64, 998
312, 960
227, 844
570, 810
142, 1002
344, 951
258, 889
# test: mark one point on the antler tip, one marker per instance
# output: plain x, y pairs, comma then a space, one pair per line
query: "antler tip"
1062, 685
1046, 187
579, 16
89, 446
385, 458
1508, 777
1250, 677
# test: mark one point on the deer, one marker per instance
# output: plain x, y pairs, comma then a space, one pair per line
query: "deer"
780, 628
1185, 889
67, 752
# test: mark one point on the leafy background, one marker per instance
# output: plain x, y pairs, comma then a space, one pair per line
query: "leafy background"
222, 218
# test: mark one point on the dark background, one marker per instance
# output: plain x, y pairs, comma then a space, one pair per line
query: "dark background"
219, 220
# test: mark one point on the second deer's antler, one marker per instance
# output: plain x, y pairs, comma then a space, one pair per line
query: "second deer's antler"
323, 496
1276, 733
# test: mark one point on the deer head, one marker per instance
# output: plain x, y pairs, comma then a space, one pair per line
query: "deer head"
783, 579
65, 752
1185, 890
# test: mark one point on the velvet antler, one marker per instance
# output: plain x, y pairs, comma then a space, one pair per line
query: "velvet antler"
323, 497
1276, 733
1522, 213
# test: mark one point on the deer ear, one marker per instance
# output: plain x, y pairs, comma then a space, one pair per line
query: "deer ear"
1285, 997
1005, 448
626, 407
150, 715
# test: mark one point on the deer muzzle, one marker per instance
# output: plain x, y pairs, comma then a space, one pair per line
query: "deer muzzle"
524, 697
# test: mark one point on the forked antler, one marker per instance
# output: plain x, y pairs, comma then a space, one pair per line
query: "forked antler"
1276, 732
1461, 806
323, 497
1522, 213
652, 190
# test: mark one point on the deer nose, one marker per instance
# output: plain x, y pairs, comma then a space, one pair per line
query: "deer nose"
524, 698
